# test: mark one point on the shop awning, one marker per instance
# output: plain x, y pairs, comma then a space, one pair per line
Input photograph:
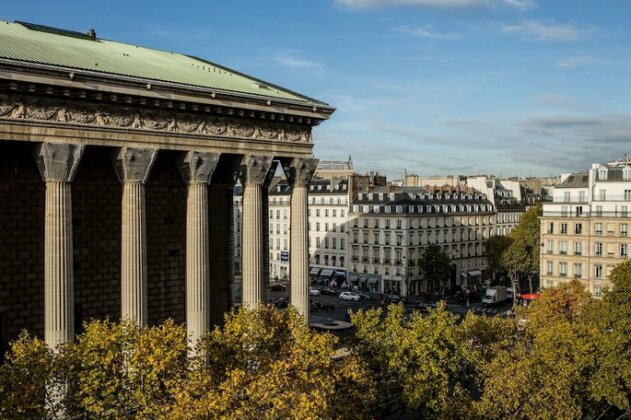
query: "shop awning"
354, 277
326, 272
474, 273
373, 279
314, 271
362, 279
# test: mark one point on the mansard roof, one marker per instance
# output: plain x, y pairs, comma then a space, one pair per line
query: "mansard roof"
578, 180
64, 49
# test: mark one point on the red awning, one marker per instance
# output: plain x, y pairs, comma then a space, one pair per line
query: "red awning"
530, 296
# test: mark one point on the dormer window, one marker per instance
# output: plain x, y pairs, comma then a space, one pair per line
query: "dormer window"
602, 174
626, 173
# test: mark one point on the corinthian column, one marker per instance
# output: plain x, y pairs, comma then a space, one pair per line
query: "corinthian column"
57, 164
132, 167
254, 174
196, 169
299, 174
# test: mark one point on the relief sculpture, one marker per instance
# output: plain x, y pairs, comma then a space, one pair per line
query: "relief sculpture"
67, 112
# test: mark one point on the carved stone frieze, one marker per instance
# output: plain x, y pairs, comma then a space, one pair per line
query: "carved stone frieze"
68, 112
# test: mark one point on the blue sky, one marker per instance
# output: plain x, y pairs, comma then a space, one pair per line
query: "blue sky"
511, 87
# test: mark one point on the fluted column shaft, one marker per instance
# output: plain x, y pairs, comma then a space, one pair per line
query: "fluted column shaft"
299, 252
197, 256
196, 169
57, 164
253, 261
255, 175
58, 265
132, 167
134, 254
299, 173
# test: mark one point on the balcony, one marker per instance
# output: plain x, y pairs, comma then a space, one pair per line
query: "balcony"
577, 276
355, 258
375, 260
563, 274
386, 261
365, 259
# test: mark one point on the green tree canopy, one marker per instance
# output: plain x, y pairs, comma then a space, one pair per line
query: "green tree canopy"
494, 247
434, 265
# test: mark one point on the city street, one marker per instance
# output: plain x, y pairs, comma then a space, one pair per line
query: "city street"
341, 308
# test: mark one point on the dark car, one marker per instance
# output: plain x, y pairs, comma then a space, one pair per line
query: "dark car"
281, 302
363, 295
392, 299
328, 291
278, 287
425, 306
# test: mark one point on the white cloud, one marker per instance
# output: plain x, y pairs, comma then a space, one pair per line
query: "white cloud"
541, 31
575, 61
367, 4
291, 58
425, 32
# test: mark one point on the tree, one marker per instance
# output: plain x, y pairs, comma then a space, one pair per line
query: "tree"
525, 237
515, 260
417, 363
268, 363
494, 247
434, 265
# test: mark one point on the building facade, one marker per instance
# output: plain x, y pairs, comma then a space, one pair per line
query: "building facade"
389, 230
117, 176
584, 230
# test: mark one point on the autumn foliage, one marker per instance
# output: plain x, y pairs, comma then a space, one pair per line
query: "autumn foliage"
567, 356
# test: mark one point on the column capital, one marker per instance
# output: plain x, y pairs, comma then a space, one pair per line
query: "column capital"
133, 165
300, 171
197, 167
257, 170
58, 161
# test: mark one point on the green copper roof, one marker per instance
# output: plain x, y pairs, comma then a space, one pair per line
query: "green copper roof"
69, 49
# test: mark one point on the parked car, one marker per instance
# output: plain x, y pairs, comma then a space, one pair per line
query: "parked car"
278, 287
281, 302
313, 292
392, 299
363, 295
425, 306
328, 291
349, 296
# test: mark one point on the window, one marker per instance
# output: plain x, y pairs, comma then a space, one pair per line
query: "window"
599, 211
578, 270
550, 227
626, 173
387, 239
581, 197
326, 227
578, 248
623, 229
341, 213
566, 196
598, 249
549, 267
549, 247
602, 174
399, 240
597, 291
387, 223
627, 195
563, 211
578, 228
318, 227
278, 214
599, 228
398, 223
326, 243
376, 237
602, 195
317, 212
563, 269
624, 252
563, 228
598, 271
326, 213
563, 247
365, 237
334, 212
341, 243
318, 242
624, 211
284, 244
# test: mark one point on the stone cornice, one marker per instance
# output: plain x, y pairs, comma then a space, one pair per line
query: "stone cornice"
74, 113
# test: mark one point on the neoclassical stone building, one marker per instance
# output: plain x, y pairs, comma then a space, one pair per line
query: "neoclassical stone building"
117, 165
